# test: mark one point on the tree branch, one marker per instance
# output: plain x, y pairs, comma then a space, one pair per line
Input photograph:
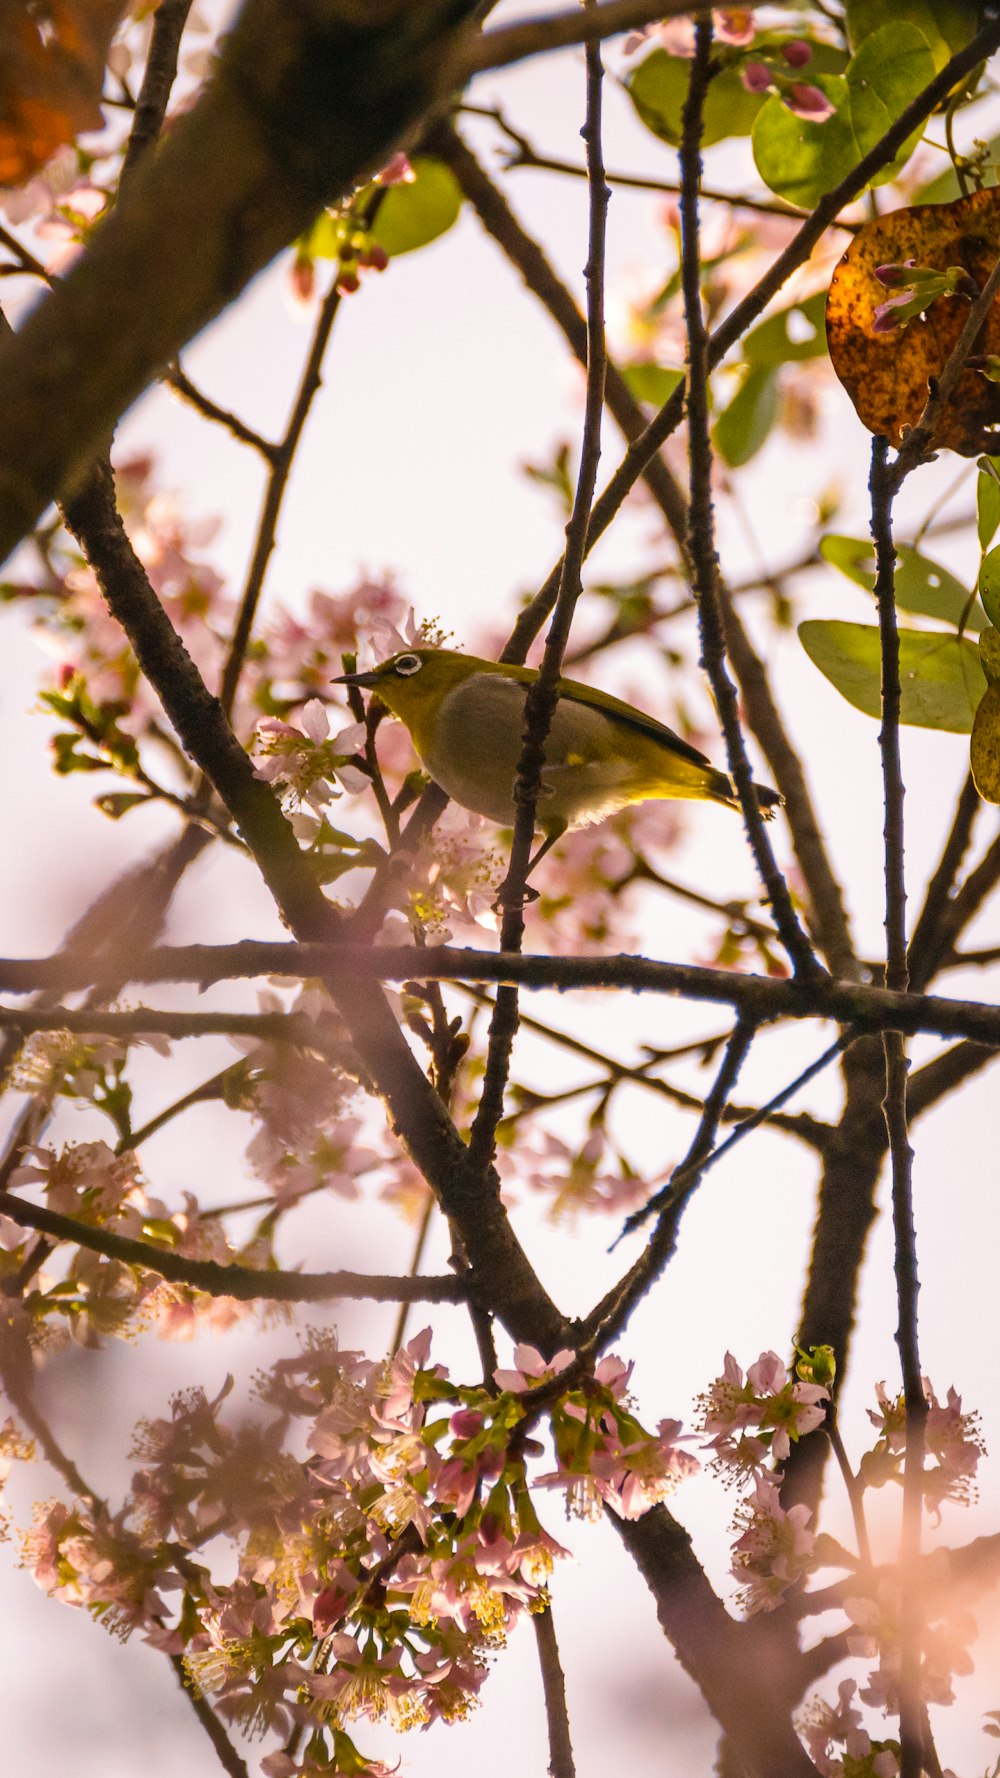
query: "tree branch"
305, 100
701, 522
543, 694
245, 1283
763, 998
562, 30
561, 1762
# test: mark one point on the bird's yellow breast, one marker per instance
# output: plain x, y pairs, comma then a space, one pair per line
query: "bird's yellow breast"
471, 743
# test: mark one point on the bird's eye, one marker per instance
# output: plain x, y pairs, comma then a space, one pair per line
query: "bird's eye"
407, 664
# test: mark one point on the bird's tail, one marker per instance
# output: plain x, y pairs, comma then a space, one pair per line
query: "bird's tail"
724, 790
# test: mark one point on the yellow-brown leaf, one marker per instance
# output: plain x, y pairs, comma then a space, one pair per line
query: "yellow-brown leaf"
886, 375
51, 77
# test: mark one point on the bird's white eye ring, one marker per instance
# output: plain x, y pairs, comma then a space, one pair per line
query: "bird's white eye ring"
407, 664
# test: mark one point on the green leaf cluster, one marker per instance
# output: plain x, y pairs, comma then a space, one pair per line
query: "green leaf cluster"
984, 748
801, 160
408, 216
941, 676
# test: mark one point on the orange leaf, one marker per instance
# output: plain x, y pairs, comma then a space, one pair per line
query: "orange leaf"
51, 77
886, 374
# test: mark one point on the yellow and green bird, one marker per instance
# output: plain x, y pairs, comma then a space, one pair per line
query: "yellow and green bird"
466, 719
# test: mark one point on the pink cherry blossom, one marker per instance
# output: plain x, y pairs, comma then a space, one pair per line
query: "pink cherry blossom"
773, 1549
532, 1369
734, 25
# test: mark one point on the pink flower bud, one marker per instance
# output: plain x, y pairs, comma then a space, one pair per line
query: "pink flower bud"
796, 52
303, 279
886, 318
466, 1422
328, 1609
893, 277
398, 171
809, 102
756, 77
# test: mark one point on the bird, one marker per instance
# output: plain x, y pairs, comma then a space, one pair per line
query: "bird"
466, 721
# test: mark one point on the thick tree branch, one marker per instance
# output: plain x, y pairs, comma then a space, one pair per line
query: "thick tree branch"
763, 998
561, 30
305, 101
504, 1278
245, 1283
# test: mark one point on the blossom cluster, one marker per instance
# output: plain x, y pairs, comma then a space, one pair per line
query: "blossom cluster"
753, 1422
768, 60
378, 1566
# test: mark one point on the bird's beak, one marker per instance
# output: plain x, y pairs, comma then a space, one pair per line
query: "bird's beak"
365, 679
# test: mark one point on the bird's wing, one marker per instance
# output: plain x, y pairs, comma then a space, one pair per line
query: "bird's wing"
576, 693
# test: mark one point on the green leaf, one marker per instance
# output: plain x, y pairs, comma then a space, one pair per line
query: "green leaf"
410, 216
989, 586
118, 802
658, 88
984, 748
653, 383
941, 679
801, 161
922, 586
989, 653
947, 25
793, 333
67, 758
988, 500
740, 431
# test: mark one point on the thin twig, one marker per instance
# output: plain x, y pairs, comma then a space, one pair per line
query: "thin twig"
282, 456
853, 1485
828, 916
26, 261
883, 485
399, 1331
609, 1317
882, 491
245, 1283
543, 694
142, 1021
524, 154
158, 78
229, 1759
753, 1121
181, 383
750, 308
561, 1762
956, 913
701, 533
